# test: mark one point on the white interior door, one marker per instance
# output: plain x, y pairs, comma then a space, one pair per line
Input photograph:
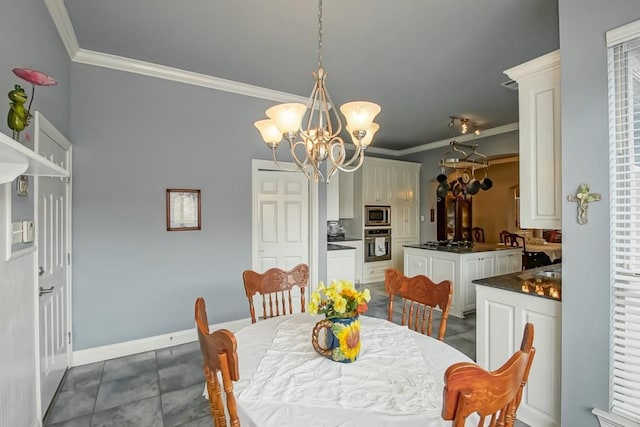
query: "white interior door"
281, 220
53, 236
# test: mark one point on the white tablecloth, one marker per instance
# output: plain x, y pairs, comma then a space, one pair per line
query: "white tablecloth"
396, 381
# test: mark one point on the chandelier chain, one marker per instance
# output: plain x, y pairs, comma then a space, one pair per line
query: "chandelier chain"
319, 34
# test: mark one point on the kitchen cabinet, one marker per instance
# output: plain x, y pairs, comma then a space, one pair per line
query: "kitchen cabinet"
358, 256
454, 218
341, 265
501, 316
345, 195
376, 182
459, 267
374, 271
396, 184
540, 141
333, 202
508, 262
476, 267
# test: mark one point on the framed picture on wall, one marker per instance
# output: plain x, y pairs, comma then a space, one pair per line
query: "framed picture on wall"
183, 209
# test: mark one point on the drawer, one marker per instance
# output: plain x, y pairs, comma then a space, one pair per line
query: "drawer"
374, 271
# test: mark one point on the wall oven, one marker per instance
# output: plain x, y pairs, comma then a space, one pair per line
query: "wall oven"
377, 216
377, 244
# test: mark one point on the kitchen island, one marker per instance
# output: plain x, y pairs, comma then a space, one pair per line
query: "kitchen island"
461, 264
504, 304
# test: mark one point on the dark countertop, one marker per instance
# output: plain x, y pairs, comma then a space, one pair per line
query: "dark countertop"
477, 247
345, 239
534, 280
331, 247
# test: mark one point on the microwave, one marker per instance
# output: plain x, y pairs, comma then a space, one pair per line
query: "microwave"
377, 216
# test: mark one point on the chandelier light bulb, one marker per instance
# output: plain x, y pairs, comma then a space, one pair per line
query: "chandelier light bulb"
269, 132
287, 117
360, 114
366, 140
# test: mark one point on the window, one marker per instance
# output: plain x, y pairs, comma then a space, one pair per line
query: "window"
624, 157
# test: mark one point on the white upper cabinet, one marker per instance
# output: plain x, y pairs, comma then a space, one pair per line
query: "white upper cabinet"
346, 196
540, 141
376, 182
333, 198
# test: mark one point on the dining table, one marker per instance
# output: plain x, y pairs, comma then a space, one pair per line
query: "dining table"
397, 379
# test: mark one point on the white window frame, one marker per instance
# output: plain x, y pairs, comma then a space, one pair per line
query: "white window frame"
624, 162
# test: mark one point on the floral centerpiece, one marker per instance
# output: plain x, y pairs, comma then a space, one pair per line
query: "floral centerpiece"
339, 300
341, 304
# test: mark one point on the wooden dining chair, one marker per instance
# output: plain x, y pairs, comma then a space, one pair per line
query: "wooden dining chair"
478, 234
495, 394
505, 237
219, 354
420, 294
274, 285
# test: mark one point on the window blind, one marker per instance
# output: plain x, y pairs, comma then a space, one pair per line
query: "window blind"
624, 158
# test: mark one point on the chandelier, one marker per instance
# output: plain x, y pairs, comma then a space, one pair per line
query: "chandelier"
313, 130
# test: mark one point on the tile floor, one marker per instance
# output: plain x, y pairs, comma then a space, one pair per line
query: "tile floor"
163, 388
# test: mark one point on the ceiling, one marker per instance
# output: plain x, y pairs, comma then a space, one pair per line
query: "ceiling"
421, 60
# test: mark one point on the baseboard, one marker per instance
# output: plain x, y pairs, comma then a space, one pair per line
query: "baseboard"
112, 351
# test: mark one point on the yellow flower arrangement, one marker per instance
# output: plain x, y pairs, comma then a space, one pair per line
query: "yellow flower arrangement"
339, 300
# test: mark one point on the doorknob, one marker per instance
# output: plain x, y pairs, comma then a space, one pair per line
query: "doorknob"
40, 271
45, 291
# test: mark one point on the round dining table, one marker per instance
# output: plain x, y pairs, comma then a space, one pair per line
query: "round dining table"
397, 379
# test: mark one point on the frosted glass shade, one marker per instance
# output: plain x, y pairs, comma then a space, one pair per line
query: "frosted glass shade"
360, 114
287, 117
364, 142
269, 131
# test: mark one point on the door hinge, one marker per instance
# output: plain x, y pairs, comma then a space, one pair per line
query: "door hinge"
68, 258
69, 338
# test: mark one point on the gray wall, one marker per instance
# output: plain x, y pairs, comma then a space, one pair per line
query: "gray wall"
29, 39
492, 146
585, 294
133, 138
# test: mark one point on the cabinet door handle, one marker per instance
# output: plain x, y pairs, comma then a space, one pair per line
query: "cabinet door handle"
45, 291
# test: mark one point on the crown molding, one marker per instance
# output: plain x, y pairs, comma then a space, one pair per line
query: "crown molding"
534, 67
445, 142
106, 60
63, 24
61, 19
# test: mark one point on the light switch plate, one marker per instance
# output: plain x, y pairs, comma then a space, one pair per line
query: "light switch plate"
27, 231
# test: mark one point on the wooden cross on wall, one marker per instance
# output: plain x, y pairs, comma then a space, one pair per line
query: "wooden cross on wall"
582, 197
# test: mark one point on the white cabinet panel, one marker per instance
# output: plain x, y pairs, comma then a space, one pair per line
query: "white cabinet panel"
345, 195
415, 263
508, 262
333, 201
540, 141
359, 256
460, 268
376, 182
374, 271
501, 316
341, 265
